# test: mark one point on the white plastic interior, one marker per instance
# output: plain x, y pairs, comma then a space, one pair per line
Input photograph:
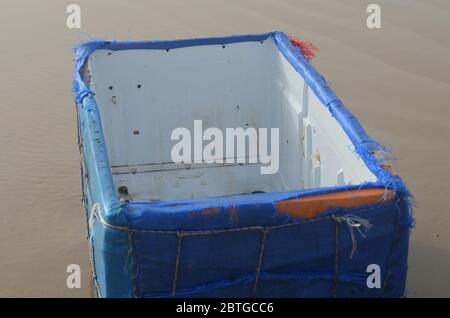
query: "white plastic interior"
143, 95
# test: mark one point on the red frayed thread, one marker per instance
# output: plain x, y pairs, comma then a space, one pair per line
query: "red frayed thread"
308, 48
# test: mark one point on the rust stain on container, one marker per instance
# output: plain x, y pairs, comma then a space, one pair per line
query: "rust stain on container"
232, 214
206, 212
310, 206
210, 211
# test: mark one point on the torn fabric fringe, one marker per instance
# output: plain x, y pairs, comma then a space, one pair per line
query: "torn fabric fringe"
354, 222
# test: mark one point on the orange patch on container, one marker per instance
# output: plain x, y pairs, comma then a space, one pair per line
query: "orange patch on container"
310, 206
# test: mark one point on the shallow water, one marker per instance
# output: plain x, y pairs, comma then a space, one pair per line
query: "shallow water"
396, 80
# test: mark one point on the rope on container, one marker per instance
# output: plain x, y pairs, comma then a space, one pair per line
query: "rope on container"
307, 48
352, 221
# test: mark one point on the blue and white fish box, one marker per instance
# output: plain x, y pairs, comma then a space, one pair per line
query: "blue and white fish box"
315, 214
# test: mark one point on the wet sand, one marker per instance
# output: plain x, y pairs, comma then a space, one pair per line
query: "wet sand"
396, 80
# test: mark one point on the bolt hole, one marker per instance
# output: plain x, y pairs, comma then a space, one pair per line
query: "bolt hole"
223, 46
136, 132
123, 190
139, 86
110, 88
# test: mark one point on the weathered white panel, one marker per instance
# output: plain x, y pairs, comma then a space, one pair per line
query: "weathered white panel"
144, 94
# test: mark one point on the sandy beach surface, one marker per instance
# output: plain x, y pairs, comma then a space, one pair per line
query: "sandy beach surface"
396, 80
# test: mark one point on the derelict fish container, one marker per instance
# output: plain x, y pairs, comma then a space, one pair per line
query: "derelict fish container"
331, 221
